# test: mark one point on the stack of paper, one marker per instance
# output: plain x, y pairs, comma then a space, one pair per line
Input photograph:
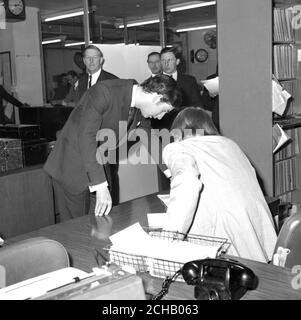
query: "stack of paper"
134, 240
156, 220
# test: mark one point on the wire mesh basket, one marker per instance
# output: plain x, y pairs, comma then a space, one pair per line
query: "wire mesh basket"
160, 267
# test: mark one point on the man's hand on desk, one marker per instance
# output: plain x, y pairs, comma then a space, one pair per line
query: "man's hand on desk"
101, 227
103, 202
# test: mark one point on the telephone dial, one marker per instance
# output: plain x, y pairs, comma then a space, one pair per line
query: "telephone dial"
215, 279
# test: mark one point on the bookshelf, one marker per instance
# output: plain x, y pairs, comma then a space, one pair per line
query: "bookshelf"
251, 48
286, 52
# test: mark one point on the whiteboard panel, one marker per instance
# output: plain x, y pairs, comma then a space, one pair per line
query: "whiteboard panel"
127, 61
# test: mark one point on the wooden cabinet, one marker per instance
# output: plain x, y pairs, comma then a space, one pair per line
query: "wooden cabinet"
26, 201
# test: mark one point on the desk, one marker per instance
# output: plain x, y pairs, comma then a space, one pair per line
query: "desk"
75, 235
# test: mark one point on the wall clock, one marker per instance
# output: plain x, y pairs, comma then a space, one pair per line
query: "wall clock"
201, 55
14, 10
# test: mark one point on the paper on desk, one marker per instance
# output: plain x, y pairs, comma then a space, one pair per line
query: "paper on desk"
165, 198
40, 285
212, 85
134, 240
156, 220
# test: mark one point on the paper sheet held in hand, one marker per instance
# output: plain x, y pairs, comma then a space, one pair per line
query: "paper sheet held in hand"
212, 85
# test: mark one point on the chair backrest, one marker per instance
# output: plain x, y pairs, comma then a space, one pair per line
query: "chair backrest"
290, 238
31, 258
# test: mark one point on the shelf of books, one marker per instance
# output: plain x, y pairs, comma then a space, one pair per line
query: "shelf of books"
286, 165
286, 69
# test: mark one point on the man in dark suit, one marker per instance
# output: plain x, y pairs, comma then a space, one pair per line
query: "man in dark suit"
73, 164
154, 63
191, 95
93, 60
170, 59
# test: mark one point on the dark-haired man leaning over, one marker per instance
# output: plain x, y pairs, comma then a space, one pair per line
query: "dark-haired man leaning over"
72, 163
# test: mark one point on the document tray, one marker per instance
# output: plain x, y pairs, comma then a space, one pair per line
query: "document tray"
163, 268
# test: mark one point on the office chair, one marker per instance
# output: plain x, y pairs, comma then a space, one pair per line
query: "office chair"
31, 258
290, 238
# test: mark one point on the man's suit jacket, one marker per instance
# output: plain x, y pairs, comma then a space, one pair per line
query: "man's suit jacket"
190, 97
73, 162
84, 78
190, 91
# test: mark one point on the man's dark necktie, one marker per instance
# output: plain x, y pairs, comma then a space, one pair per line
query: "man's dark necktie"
90, 80
131, 117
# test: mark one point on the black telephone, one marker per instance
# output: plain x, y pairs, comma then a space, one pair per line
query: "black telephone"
219, 279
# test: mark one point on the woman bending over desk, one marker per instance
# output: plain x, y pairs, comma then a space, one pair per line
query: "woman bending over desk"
214, 189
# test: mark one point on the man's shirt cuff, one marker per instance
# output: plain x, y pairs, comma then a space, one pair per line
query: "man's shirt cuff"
98, 186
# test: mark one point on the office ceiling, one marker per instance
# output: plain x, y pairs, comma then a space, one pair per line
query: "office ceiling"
107, 13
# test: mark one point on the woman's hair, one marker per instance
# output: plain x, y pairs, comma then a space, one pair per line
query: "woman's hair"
194, 119
166, 86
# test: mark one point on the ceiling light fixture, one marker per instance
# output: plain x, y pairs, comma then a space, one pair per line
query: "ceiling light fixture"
196, 28
124, 44
190, 5
51, 41
139, 23
71, 44
66, 15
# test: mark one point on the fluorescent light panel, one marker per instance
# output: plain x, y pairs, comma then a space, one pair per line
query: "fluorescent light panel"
70, 44
51, 41
139, 23
192, 6
196, 28
65, 16
123, 44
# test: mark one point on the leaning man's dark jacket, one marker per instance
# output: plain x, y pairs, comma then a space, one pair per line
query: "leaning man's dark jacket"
73, 162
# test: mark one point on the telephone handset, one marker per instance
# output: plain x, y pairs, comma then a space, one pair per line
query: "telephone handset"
219, 279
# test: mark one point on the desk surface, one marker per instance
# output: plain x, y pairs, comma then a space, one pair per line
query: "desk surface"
75, 235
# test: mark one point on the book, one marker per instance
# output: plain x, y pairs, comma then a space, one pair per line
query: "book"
279, 137
280, 98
